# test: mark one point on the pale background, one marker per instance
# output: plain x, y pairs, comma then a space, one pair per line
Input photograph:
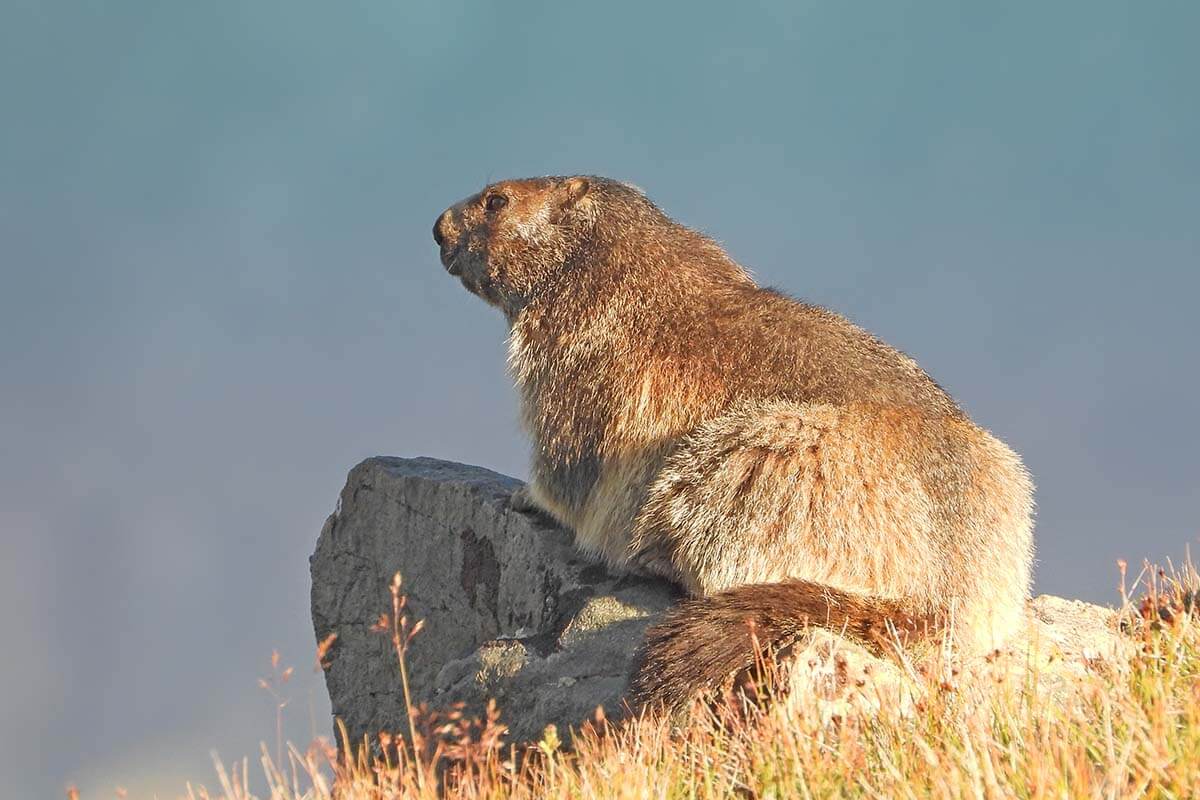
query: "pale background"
220, 292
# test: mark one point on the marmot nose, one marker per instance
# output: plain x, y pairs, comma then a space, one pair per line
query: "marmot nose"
439, 232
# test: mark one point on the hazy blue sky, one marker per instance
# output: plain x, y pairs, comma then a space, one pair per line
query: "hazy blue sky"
220, 292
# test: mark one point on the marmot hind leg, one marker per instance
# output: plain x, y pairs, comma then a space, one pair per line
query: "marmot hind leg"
779, 490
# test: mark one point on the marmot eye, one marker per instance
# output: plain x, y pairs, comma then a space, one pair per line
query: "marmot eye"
495, 202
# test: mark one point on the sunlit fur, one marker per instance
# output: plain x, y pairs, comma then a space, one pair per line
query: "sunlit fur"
688, 423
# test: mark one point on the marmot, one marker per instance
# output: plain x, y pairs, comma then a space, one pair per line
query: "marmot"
781, 464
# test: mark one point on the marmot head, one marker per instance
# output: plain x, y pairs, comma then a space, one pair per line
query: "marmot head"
511, 240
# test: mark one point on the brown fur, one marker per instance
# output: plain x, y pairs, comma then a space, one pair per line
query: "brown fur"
768, 455
738, 625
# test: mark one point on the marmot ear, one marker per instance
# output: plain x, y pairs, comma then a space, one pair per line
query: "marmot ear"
567, 196
574, 190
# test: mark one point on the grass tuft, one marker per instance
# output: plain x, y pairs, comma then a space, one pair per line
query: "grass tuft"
1126, 731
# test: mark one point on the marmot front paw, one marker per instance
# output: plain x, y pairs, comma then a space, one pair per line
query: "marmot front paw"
522, 501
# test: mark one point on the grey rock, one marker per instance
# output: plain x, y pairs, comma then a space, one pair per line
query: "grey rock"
513, 611
1062, 641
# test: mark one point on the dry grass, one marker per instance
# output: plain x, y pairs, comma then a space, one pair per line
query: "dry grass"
1118, 733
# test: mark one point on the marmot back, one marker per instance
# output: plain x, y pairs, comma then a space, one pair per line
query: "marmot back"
781, 464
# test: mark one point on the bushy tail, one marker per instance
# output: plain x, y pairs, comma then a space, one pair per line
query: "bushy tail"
712, 643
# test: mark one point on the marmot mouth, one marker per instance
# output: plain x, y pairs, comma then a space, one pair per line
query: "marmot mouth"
450, 262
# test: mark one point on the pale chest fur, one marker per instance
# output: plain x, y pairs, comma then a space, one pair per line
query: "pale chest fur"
601, 429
